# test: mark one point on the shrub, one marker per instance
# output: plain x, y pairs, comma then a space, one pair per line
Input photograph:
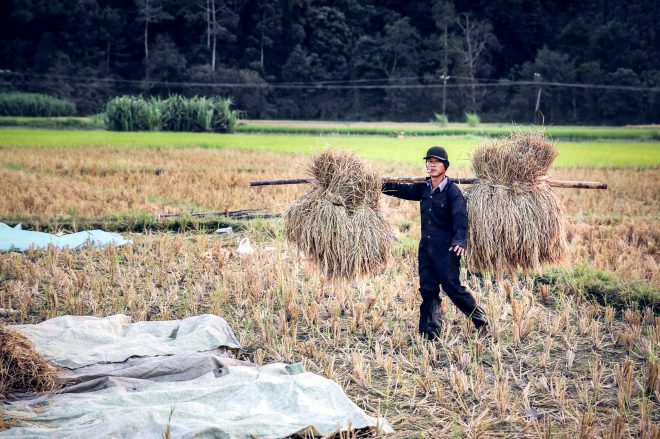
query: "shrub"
34, 105
183, 114
175, 113
472, 119
131, 113
224, 118
441, 119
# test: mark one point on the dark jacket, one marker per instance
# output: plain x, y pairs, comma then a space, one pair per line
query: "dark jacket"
443, 213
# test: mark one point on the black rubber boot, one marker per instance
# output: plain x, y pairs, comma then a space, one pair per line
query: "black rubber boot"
430, 318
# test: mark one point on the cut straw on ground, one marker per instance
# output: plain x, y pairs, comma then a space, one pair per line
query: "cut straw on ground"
22, 369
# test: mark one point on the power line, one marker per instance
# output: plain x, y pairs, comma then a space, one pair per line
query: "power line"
356, 84
318, 82
236, 84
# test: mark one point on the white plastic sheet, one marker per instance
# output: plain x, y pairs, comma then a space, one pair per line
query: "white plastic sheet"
125, 384
17, 239
241, 402
77, 341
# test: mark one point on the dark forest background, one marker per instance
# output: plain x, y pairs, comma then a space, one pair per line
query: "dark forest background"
593, 61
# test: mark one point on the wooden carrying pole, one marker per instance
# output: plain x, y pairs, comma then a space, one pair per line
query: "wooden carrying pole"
553, 183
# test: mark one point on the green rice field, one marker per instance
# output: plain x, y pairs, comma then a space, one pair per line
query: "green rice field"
604, 153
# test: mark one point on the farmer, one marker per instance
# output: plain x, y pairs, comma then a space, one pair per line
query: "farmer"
444, 241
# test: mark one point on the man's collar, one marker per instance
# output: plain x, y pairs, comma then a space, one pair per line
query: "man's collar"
441, 187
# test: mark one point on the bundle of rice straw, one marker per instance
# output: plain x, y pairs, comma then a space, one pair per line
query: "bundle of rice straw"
337, 222
22, 369
515, 217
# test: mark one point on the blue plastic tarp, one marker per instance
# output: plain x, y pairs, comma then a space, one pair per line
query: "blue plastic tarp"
17, 239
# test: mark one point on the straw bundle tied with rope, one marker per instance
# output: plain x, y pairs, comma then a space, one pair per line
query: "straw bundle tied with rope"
515, 217
337, 223
22, 369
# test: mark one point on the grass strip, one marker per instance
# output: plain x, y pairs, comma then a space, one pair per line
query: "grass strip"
54, 123
387, 129
566, 133
603, 287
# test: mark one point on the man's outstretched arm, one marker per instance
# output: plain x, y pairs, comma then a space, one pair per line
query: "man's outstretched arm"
404, 191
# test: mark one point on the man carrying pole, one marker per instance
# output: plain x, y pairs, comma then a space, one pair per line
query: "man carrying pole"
443, 243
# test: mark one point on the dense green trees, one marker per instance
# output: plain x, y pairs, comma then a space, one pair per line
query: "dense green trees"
599, 62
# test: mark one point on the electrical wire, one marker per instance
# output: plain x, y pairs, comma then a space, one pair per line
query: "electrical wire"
355, 84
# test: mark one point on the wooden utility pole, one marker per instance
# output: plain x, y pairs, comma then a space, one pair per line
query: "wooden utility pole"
537, 80
444, 78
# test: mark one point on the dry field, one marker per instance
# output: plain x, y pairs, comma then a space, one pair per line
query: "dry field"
556, 366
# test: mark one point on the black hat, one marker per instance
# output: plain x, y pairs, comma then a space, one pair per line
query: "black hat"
439, 153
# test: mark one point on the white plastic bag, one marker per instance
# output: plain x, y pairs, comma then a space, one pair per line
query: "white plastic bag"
245, 248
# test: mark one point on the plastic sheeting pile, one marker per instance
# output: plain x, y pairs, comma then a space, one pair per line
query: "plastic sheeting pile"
17, 239
144, 379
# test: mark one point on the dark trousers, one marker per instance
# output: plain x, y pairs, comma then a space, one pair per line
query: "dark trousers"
438, 266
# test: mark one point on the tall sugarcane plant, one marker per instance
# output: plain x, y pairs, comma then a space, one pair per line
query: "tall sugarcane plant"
133, 113
175, 113
34, 105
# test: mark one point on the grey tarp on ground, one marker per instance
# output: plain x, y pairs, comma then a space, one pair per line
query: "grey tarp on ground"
240, 402
77, 341
139, 372
212, 394
15, 238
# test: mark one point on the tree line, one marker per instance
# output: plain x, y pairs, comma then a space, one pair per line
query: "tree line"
560, 62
